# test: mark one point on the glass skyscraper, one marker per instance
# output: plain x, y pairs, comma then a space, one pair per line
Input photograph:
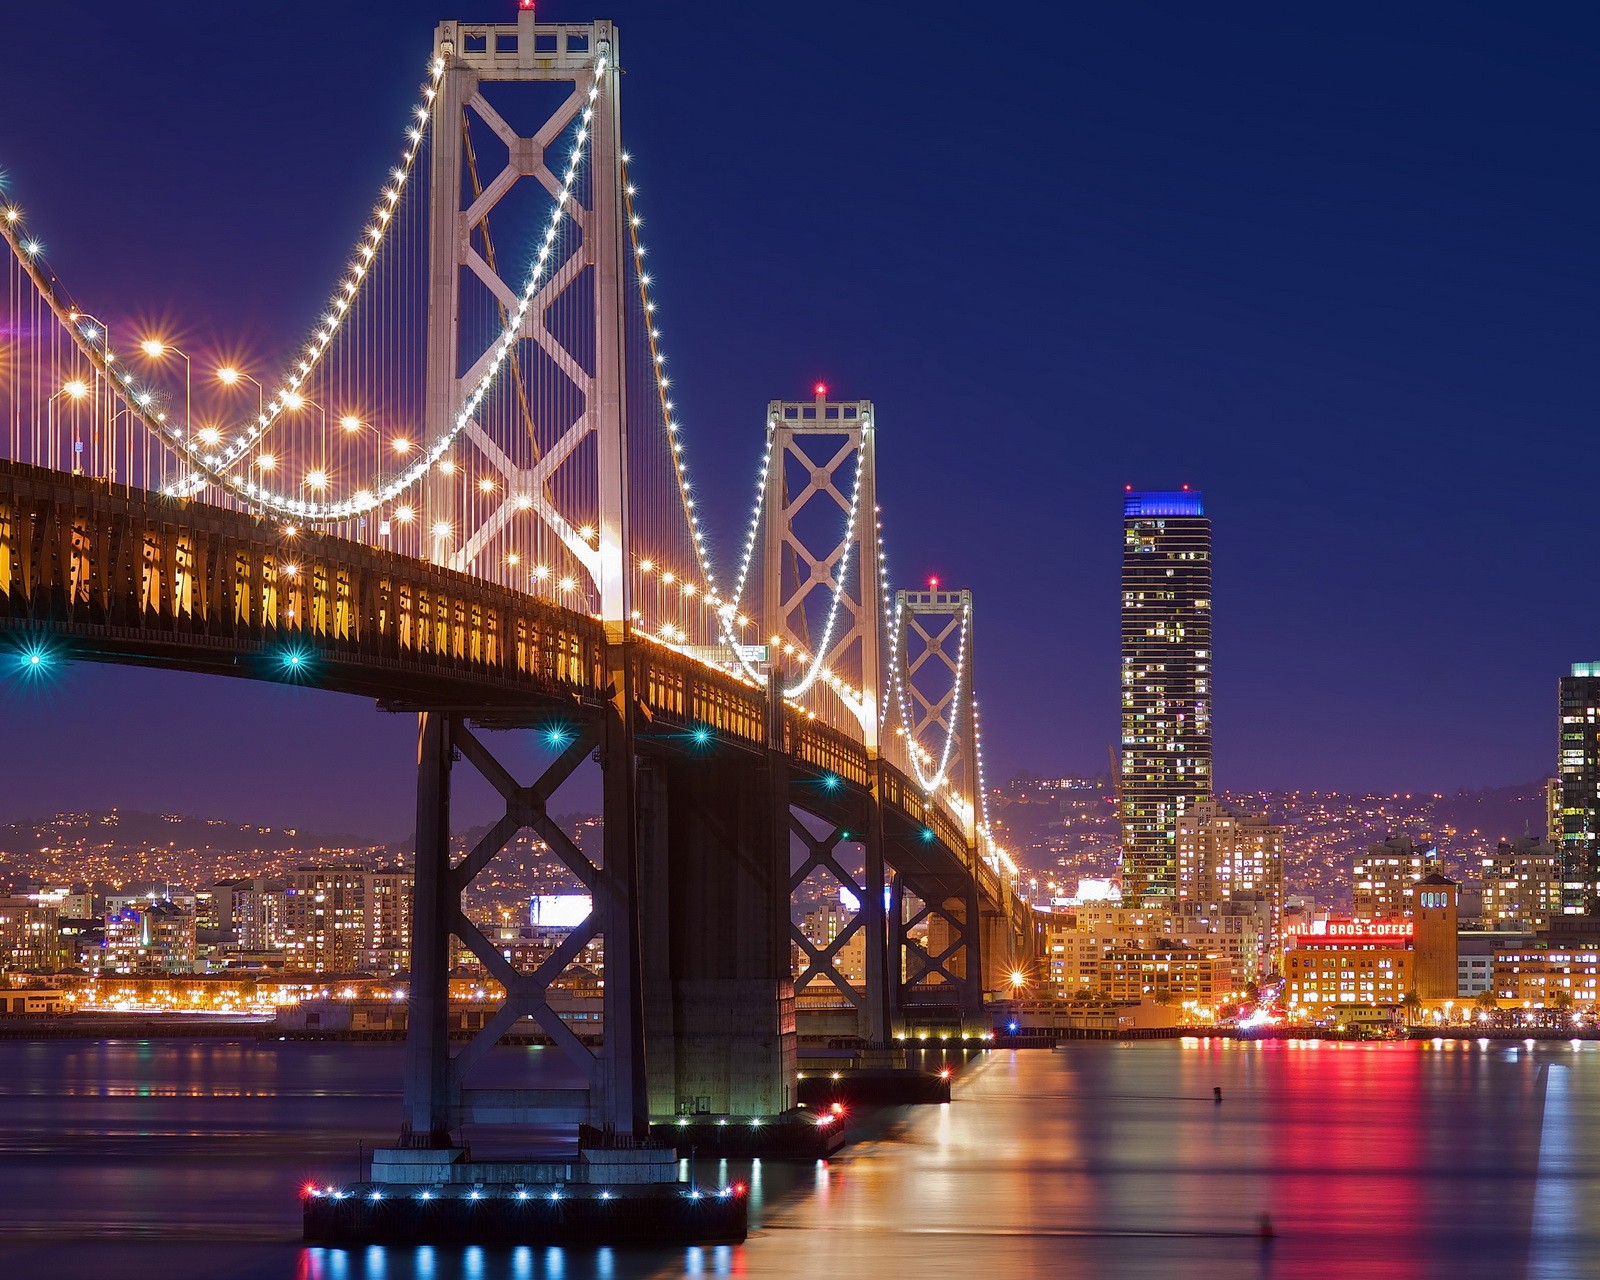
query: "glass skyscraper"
1165, 765
1579, 774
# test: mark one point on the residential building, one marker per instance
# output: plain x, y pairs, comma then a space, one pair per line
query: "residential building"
386, 942
149, 938
1165, 765
1475, 953
820, 927
258, 914
143, 892
1078, 941
1383, 880
324, 918
1549, 975
1227, 856
30, 935
1164, 974
1521, 885
1579, 773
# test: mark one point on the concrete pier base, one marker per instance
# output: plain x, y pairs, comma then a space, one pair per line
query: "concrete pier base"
524, 1213
404, 1167
800, 1135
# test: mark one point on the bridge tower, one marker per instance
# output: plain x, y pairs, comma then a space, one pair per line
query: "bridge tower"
580, 61
581, 58
822, 611
822, 594
931, 653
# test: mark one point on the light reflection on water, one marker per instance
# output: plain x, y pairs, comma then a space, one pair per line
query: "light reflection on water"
1390, 1161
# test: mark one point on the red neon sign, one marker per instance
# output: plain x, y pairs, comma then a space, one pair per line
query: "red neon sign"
1359, 931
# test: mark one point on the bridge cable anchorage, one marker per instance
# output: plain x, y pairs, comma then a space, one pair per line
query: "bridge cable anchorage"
345, 294
929, 782
262, 497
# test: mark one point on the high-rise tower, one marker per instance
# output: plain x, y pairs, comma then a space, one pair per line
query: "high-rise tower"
1166, 682
1579, 771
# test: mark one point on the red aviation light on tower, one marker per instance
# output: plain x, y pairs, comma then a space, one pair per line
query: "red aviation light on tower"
821, 389
526, 6
933, 582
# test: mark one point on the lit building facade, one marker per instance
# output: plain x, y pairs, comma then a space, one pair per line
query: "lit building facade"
324, 918
1356, 963
1548, 975
1579, 774
1225, 856
820, 927
1521, 885
152, 937
30, 935
1165, 765
1076, 943
1174, 975
1383, 880
386, 941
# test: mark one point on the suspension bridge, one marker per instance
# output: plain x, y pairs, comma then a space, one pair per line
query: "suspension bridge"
466, 492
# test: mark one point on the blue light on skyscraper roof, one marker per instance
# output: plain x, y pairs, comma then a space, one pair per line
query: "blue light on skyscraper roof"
1163, 502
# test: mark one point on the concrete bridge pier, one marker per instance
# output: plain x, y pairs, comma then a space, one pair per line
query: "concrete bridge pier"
719, 1000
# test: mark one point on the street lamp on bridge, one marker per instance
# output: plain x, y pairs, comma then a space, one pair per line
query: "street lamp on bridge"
229, 376
157, 350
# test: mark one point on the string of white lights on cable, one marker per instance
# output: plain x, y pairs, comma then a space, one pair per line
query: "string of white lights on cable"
726, 608
839, 580
283, 504
935, 780
658, 365
345, 295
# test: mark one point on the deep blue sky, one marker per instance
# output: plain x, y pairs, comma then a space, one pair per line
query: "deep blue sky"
1334, 265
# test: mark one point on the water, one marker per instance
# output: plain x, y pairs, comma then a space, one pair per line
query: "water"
180, 1159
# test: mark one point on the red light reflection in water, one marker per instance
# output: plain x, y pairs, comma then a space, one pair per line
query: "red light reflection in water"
1348, 1149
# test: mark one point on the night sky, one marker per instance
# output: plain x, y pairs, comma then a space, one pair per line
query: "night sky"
1334, 265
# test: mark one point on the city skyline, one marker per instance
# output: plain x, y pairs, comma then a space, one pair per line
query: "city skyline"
701, 786
1371, 368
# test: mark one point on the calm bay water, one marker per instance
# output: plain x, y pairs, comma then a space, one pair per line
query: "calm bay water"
179, 1159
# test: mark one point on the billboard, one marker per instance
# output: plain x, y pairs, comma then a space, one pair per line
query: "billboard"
559, 910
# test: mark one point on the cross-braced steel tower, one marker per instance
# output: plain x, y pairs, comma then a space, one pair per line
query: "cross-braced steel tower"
821, 590
583, 58
932, 657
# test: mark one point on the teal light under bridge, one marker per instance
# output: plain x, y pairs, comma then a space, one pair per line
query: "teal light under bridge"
296, 661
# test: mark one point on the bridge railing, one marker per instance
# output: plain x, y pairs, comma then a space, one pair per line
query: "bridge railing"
824, 747
139, 568
680, 690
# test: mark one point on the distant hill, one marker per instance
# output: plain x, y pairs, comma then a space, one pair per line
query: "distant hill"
182, 831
